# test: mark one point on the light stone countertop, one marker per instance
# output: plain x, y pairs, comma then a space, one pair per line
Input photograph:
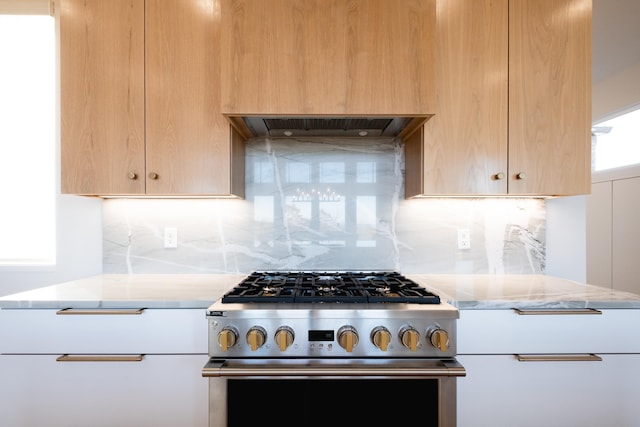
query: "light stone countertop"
495, 292
201, 290
128, 291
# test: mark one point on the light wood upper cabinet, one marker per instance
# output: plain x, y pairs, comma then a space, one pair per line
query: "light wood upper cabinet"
329, 57
550, 96
513, 101
465, 143
102, 96
146, 119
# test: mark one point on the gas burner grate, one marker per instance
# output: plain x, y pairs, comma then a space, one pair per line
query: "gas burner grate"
329, 287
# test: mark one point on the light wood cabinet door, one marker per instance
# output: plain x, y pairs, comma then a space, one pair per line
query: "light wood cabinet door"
102, 96
550, 96
465, 143
146, 119
513, 101
330, 57
188, 141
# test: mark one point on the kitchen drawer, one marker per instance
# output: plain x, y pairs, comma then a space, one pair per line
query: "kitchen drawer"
158, 391
50, 331
558, 331
501, 391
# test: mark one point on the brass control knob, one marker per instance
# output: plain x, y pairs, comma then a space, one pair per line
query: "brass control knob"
409, 337
256, 336
439, 338
227, 338
348, 338
381, 337
284, 337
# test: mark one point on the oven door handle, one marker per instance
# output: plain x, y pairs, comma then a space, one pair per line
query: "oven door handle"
395, 368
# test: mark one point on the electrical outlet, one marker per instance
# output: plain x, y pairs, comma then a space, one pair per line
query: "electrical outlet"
170, 237
464, 238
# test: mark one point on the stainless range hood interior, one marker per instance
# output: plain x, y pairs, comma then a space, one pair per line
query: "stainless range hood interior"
303, 126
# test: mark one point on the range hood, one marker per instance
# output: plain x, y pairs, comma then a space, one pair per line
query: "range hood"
326, 126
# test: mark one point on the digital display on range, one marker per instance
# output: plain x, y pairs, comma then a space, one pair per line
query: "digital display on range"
321, 335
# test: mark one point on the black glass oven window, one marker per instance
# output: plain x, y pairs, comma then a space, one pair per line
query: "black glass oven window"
324, 402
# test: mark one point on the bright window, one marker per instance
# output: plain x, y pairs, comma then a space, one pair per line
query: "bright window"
617, 141
27, 140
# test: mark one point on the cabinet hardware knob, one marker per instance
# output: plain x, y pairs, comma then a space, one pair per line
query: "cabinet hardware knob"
153, 175
498, 176
132, 175
521, 175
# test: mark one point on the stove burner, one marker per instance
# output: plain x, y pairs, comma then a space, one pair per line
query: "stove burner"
340, 287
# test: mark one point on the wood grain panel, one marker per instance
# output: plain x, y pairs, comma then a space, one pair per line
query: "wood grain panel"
465, 143
550, 96
413, 164
238, 145
188, 139
102, 96
327, 57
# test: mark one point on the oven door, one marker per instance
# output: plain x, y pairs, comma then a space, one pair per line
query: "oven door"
321, 392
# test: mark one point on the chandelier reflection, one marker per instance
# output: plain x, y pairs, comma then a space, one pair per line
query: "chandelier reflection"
328, 195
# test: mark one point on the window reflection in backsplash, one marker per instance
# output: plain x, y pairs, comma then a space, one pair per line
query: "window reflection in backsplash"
324, 204
322, 194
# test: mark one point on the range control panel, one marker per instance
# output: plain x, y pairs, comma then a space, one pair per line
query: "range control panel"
321, 337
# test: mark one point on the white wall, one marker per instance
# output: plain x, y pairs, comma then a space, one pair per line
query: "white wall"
566, 238
78, 252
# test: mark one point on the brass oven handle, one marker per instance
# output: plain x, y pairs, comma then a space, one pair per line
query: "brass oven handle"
220, 369
97, 311
534, 311
99, 358
558, 358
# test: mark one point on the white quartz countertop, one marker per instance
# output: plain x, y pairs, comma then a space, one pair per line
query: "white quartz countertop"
201, 290
476, 291
128, 291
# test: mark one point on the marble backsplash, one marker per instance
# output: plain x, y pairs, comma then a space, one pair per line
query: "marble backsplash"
324, 205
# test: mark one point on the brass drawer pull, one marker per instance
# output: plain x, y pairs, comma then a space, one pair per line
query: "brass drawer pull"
534, 311
98, 358
558, 358
98, 311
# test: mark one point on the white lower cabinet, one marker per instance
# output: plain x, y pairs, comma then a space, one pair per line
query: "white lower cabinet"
500, 391
160, 390
148, 381
552, 382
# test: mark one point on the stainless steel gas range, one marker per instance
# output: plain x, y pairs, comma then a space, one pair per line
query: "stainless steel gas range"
295, 341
